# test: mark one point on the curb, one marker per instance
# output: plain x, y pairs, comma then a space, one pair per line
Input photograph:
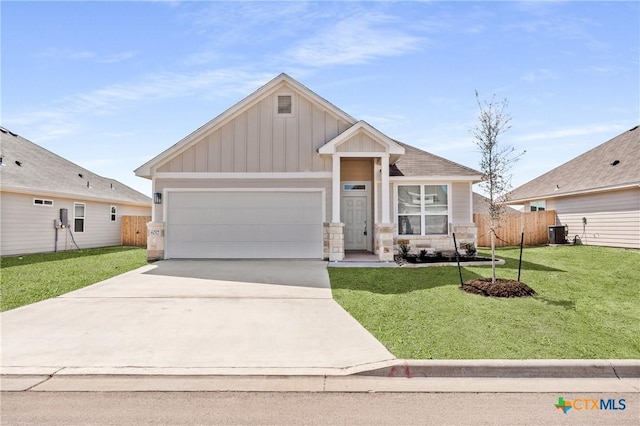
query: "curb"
543, 368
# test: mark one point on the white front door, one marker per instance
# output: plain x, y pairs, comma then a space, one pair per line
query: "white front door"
354, 215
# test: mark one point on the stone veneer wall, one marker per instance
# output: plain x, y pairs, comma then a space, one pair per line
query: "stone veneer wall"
465, 233
383, 241
333, 241
155, 241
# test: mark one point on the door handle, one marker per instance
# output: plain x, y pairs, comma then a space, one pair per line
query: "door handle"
365, 227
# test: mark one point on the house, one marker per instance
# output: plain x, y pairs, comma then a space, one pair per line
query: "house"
286, 174
597, 194
481, 205
39, 188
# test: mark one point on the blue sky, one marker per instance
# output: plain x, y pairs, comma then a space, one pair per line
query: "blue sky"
108, 85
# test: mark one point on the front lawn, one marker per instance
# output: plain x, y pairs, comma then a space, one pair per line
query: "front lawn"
587, 306
34, 277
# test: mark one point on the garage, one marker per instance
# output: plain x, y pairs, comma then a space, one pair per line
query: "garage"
244, 224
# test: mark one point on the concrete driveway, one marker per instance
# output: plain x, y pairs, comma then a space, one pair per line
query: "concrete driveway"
193, 317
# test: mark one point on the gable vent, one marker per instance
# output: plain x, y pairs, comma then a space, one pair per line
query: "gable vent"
285, 104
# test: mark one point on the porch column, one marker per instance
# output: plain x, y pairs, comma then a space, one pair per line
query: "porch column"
335, 196
385, 189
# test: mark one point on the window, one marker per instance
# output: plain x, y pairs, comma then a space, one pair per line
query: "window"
41, 202
354, 187
538, 206
423, 210
78, 217
285, 104
114, 213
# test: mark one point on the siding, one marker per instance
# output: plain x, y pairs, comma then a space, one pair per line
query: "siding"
257, 140
613, 218
27, 228
204, 184
360, 143
356, 169
461, 202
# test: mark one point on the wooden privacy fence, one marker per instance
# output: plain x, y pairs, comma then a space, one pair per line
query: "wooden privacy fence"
534, 224
134, 230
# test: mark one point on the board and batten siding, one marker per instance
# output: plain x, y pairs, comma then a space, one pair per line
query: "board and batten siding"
258, 140
28, 228
613, 218
230, 184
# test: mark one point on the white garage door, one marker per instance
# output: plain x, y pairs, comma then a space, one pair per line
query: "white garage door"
244, 225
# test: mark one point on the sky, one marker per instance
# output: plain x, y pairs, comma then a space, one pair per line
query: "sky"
109, 85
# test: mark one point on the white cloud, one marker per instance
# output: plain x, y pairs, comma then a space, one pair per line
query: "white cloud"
78, 55
356, 39
571, 132
540, 75
65, 115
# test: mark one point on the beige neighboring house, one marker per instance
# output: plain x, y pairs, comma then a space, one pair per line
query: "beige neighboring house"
38, 186
597, 194
286, 174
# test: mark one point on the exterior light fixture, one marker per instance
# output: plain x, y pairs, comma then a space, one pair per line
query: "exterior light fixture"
157, 198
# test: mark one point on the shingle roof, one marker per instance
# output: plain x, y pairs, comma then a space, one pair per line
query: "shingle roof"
613, 164
416, 162
27, 167
481, 205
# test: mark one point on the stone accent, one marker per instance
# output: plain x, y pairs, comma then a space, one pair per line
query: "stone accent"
384, 241
333, 242
465, 233
155, 241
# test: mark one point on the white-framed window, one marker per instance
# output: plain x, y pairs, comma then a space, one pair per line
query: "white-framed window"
538, 206
284, 104
113, 213
79, 210
42, 202
423, 209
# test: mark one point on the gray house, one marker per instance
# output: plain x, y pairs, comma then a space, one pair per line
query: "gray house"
286, 174
597, 194
39, 188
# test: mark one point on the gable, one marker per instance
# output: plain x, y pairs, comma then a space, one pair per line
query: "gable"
259, 139
361, 143
252, 136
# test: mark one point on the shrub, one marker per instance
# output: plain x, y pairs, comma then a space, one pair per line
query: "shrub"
404, 248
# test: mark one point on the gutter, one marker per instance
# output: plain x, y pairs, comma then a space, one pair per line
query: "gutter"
578, 192
54, 194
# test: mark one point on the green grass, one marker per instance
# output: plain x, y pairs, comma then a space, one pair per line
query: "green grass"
587, 307
34, 277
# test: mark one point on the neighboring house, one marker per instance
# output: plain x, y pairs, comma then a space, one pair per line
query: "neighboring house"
481, 205
597, 195
36, 185
286, 174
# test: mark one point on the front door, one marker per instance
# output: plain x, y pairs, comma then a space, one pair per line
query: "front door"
354, 215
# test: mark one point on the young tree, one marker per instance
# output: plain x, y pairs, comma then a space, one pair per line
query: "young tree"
495, 164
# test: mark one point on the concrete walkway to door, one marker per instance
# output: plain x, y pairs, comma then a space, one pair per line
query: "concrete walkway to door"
193, 317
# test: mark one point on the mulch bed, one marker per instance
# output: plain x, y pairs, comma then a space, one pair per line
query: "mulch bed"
502, 288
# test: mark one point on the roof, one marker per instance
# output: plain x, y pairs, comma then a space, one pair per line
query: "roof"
612, 165
29, 168
481, 205
416, 162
